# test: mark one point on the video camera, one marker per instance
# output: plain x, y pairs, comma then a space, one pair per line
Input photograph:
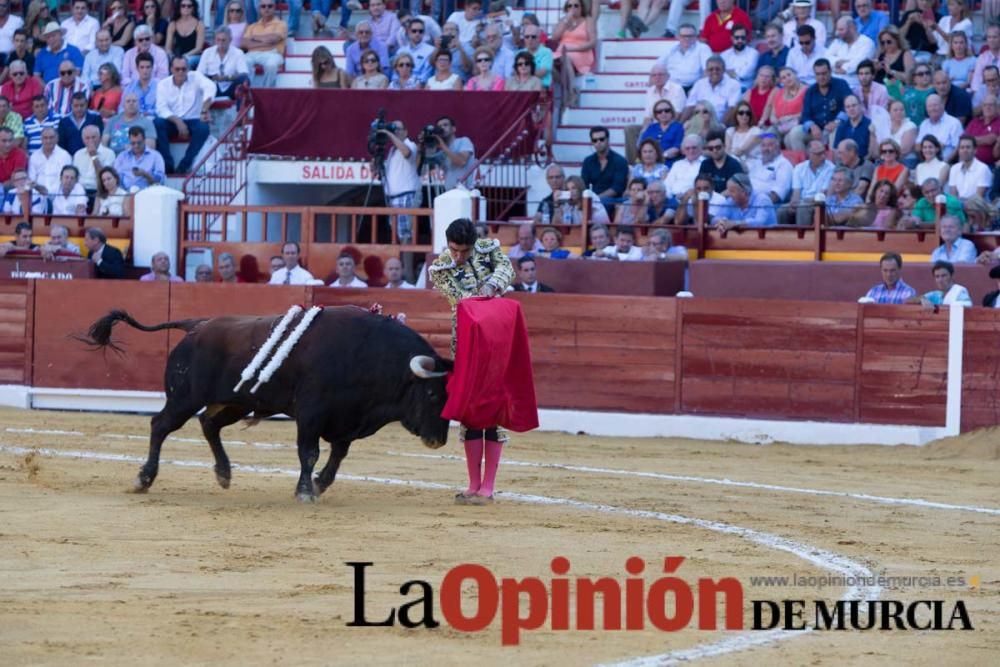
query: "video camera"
428, 136
376, 140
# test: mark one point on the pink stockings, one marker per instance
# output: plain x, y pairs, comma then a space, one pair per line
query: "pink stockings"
482, 479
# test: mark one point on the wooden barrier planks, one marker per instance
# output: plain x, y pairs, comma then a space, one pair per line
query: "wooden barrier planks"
981, 369
15, 330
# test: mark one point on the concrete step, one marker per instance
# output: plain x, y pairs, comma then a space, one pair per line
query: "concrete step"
637, 81
626, 64
632, 48
588, 117
294, 80
571, 152
612, 99
574, 134
305, 46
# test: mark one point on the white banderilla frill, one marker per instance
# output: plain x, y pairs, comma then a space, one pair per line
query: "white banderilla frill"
286, 347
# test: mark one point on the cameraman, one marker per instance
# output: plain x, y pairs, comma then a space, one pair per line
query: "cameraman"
402, 180
454, 154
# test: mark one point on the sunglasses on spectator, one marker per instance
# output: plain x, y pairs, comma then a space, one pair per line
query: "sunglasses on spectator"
743, 112
142, 39
922, 72
235, 10
597, 140
887, 41
686, 35
370, 60
571, 5
483, 60
416, 31
703, 111
664, 110
530, 36
522, 63
713, 147
888, 151
18, 73
66, 72
404, 64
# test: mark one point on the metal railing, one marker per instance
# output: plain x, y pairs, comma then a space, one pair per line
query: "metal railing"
221, 175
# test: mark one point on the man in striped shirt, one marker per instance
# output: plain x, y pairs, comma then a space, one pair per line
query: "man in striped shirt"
40, 119
892, 289
59, 92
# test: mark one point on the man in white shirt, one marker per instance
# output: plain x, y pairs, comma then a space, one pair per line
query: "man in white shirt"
418, 49
93, 157
847, 51
771, 173
81, 28
394, 274
685, 59
12, 199
70, 198
8, 24
804, 55
954, 248
716, 87
503, 58
182, 103
680, 179
144, 44
802, 16
106, 52
968, 177
467, 21
45, 165
402, 182
661, 88
291, 273
345, 273
224, 65
945, 128
624, 249
741, 61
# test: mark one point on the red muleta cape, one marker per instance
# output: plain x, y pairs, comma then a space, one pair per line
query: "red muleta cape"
492, 383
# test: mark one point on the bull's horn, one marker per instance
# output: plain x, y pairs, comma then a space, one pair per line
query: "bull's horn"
423, 367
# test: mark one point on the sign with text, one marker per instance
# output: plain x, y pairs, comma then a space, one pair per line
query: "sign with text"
314, 172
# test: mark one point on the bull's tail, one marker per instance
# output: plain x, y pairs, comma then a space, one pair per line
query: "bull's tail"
99, 334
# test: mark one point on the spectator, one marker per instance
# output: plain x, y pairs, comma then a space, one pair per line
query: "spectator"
371, 76
686, 58
81, 28
665, 131
153, 19
915, 97
542, 54
264, 43
958, 21
160, 270
144, 86
892, 289
760, 93
984, 129
384, 24
116, 128
12, 158
503, 57
801, 17
957, 102
45, 165
869, 22
659, 248
21, 51
777, 53
22, 240
105, 52
236, 21
823, 102
552, 245
980, 214
633, 210
856, 127
37, 16
624, 249
895, 60
58, 248
203, 274
402, 181
461, 53
106, 99
571, 210
650, 166
703, 121
784, 110
809, 178
906, 202
948, 293
991, 299
467, 20
326, 74
140, 166
917, 30
60, 92
990, 57
960, 63
600, 239
21, 89
49, 59
527, 244
346, 277
946, 128
364, 41
394, 275
226, 65
91, 158
419, 51
741, 61
69, 198
870, 92
524, 74
144, 44
743, 138
848, 50
771, 173
182, 103
21, 188
686, 213
108, 260
453, 154
8, 25
638, 23
719, 165
605, 172
444, 78
802, 57
658, 211
119, 26
931, 166
290, 273
890, 169
924, 213
277, 263
744, 207
576, 36
720, 26
112, 199
680, 180
527, 277
71, 126
41, 119
903, 131
843, 205
660, 88
954, 248
881, 212
991, 86
555, 177
186, 33
859, 170
12, 121
484, 78
226, 266
716, 87
968, 177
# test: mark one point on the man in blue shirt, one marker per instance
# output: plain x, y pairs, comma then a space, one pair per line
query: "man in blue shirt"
842, 204
139, 166
144, 87
744, 207
870, 22
856, 126
777, 52
48, 59
605, 172
40, 119
824, 100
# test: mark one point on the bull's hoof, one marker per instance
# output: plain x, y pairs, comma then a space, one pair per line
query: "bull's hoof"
319, 487
223, 477
305, 497
141, 484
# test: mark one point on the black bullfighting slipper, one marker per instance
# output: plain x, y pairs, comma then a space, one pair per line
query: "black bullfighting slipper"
477, 499
462, 499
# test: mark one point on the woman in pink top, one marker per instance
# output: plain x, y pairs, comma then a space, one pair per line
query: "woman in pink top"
785, 106
484, 79
881, 211
576, 34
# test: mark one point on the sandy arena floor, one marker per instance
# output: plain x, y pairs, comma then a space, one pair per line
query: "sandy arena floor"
193, 574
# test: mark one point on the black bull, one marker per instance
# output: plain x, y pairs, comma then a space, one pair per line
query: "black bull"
350, 374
